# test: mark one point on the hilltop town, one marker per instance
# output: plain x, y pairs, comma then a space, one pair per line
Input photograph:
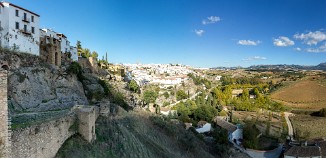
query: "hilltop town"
61, 100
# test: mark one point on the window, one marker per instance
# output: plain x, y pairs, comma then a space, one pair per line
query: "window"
33, 30
17, 25
32, 18
17, 12
25, 16
25, 28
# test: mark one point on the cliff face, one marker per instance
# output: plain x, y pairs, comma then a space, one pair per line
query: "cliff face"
39, 88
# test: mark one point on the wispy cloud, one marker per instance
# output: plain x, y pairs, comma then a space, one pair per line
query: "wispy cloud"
311, 38
320, 49
255, 58
297, 49
249, 42
211, 20
199, 32
283, 41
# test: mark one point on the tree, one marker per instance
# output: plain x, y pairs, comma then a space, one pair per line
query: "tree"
85, 53
79, 45
205, 113
227, 93
79, 48
133, 86
166, 95
181, 94
149, 96
94, 54
245, 94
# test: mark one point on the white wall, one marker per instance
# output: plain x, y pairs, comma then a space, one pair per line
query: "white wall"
206, 128
74, 54
11, 36
65, 45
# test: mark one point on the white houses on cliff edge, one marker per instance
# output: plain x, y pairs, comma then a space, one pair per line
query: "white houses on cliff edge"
19, 28
20, 31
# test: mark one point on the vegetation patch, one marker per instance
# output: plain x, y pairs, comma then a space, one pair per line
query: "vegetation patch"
308, 127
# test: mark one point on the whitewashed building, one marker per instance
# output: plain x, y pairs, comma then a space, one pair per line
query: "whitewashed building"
65, 44
205, 128
74, 53
19, 28
235, 132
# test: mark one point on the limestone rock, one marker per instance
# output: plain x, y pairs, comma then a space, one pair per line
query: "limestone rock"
41, 89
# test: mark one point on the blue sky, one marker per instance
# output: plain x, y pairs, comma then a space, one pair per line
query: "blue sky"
200, 33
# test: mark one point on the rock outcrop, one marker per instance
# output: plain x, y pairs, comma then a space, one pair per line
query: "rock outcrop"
35, 89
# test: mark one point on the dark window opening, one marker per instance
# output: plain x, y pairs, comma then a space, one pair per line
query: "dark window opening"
33, 30
17, 12
32, 18
17, 25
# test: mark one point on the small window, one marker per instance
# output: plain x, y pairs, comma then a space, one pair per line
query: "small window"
17, 25
17, 12
32, 18
25, 28
33, 30
25, 16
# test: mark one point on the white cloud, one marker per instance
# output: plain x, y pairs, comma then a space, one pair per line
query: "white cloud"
297, 49
248, 42
211, 20
199, 32
320, 49
311, 38
283, 41
255, 58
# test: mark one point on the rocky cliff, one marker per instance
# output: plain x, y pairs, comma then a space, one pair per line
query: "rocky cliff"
35, 86
38, 88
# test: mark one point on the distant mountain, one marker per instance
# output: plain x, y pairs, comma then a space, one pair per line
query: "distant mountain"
321, 66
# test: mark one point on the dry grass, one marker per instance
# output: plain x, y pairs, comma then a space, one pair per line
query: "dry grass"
305, 94
315, 126
133, 134
261, 121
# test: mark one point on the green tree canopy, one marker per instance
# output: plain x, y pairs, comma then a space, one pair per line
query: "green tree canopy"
149, 96
94, 54
133, 86
181, 94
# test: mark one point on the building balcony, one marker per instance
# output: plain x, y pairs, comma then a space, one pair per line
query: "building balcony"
27, 20
26, 32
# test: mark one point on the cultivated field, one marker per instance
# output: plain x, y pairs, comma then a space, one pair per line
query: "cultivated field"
307, 94
314, 127
261, 119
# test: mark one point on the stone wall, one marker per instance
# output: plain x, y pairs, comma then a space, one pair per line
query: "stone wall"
44, 140
88, 63
4, 119
87, 116
50, 50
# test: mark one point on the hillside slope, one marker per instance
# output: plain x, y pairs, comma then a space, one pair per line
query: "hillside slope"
140, 134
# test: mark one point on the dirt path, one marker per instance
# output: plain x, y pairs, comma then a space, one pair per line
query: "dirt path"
288, 122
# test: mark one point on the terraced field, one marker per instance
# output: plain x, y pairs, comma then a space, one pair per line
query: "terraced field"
306, 94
